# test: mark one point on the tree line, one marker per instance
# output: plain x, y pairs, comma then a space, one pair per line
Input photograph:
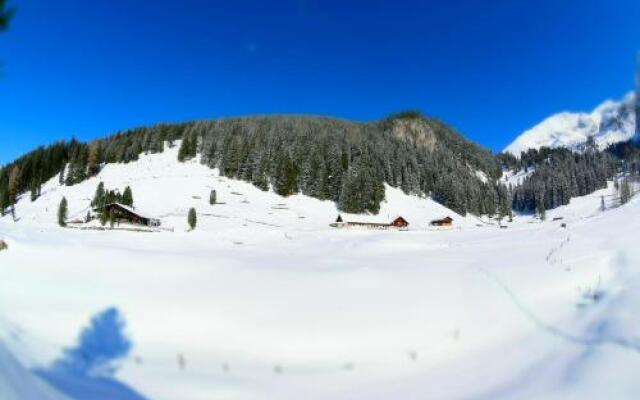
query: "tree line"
329, 159
341, 161
349, 163
557, 175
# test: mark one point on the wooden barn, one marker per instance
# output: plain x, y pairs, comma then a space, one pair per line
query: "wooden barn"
444, 222
397, 224
124, 213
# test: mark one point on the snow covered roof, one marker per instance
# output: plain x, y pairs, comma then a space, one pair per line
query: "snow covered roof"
131, 210
365, 219
370, 219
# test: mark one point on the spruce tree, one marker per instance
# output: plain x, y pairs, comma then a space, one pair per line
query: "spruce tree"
193, 145
35, 189
192, 218
625, 192
186, 148
287, 177
260, 179
4, 200
127, 197
542, 211
104, 216
62, 212
61, 177
110, 197
93, 161
212, 197
99, 197
14, 182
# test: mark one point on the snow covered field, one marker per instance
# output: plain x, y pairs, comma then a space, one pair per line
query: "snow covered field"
265, 301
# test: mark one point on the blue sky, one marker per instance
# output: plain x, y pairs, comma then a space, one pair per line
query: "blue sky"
489, 68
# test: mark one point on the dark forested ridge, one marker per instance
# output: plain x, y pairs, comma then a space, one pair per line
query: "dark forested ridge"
349, 162
562, 176
557, 175
343, 161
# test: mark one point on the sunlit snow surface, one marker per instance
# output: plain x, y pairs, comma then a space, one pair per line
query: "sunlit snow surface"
610, 122
265, 301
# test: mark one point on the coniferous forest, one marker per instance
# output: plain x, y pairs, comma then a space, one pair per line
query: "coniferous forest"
557, 175
342, 161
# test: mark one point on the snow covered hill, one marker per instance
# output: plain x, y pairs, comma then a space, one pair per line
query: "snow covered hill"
611, 122
265, 301
165, 188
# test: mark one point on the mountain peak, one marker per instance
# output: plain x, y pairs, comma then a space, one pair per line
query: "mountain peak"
610, 122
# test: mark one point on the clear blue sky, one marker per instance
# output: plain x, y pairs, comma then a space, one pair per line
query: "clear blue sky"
490, 68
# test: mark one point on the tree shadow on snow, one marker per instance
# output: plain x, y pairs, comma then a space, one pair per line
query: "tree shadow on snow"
86, 370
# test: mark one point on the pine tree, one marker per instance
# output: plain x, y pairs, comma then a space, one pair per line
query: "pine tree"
99, 197
504, 206
192, 218
35, 189
193, 148
104, 216
625, 192
88, 217
287, 177
14, 181
61, 178
4, 200
62, 212
542, 211
93, 162
212, 197
109, 197
362, 190
127, 197
112, 219
188, 147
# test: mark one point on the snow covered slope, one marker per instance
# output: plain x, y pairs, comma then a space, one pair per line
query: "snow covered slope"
164, 188
265, 301
610, 122
19, 383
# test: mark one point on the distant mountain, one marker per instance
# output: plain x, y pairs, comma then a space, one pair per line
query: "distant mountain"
611, 122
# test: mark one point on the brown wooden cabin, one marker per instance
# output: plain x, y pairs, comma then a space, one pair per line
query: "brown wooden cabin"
446, 221
124, 213
400, 223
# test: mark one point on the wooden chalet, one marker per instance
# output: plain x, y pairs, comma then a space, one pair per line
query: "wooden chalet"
128, 214
444, 222
398, 224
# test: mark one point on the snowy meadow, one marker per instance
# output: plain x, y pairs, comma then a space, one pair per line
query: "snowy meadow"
264, 300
